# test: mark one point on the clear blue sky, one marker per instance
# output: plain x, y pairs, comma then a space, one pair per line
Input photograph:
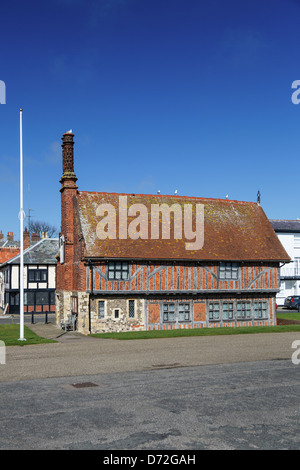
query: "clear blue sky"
161, 94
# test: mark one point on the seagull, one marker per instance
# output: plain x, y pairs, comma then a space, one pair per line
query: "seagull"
226, 196
175, 191
158, 192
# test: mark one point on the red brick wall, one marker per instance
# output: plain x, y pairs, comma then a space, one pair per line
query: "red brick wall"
186, 277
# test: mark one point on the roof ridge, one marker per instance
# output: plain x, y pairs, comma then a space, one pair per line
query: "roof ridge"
175, 196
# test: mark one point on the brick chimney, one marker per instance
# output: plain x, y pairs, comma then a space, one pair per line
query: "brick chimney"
35, 237
68, 191
10, 236
26, 239
1, 235
68, 158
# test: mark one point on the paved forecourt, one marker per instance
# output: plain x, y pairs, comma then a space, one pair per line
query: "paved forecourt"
77, 355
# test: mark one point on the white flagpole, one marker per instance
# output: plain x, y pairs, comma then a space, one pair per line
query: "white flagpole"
21, 217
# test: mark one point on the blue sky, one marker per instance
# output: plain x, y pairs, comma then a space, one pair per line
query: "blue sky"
161, 94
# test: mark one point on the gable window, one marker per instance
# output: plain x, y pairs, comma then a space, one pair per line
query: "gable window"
228, 271
118, 270
131, 308
37, 275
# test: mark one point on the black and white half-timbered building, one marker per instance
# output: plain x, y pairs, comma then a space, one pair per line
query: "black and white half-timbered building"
39, 278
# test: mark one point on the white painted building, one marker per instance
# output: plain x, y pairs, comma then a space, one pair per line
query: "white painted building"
39, 278
288, 232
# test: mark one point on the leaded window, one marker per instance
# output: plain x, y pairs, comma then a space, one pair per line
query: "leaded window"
184, 312
243, 310
260, 310
101, 309
118, 270
228, 311
131, 308
169, 312
214, 311
228, 271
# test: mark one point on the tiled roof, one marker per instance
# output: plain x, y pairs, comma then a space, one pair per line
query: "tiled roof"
9, 244
8, 253
42, 252
285, 225
233, 230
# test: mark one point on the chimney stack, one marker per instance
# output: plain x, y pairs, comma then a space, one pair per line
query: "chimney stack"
68, 157
26, 239
1, 235
10, 236
35, 237
68, 190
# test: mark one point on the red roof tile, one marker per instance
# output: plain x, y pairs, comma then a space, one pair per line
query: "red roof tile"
7, 253
233, 231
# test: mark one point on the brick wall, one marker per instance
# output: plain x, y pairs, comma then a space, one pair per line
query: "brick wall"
184, 277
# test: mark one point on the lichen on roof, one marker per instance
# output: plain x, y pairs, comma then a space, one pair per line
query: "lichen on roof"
233, 230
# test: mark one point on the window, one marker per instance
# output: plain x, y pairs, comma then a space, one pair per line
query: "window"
37, 275
297, 240
131, 308
228, 311
118, 270
176, 311
243, 310
52, 297
28, 298
260, 310
14, 299
183, 312
101, 309
74, 304
117, 313
297, 266
228, 271
169, 312
214, 311
42, 298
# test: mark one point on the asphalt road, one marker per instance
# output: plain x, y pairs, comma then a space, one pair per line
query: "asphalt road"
175, 394
241, 406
